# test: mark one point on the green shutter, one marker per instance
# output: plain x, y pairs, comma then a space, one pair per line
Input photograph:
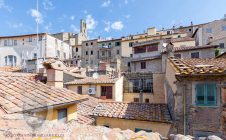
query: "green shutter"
200, 94
211, 95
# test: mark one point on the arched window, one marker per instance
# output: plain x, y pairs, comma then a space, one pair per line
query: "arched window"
10, 60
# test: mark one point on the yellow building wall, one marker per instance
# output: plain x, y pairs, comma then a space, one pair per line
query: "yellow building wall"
52, 113
117, 89
162, 128
158, 95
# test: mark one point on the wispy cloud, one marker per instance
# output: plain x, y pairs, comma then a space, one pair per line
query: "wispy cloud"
127, 16
48, 27
126, 1
108, 26
15, 25
72, 18
91, 22
3, 5
48, 5
74, 28
36, 15
106, 3
117, 25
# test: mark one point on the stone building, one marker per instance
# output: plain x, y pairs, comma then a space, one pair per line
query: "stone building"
74, 40
28, 51
90, 53
194, 95
210, 32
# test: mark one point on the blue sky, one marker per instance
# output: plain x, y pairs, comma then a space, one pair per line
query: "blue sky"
106, 18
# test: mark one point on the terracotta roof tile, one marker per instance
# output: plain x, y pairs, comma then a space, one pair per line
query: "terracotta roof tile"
19, 93
102, 79
10, 69
197, 66
134, 111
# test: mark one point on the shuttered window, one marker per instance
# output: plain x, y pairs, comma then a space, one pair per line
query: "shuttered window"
206, 94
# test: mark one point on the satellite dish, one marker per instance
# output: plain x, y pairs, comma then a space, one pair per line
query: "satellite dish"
95, 75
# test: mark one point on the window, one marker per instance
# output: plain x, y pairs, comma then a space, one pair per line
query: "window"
177, 55
58, 53
10, 60
106, 91
15, 42
91, 43
39, 38
30, 39
140, 129
117, 51
221, 45
143, 65
103, 53
65, 55
109, 44
5, 42
76, 49
131, 44
35, 55
179, 36
205, 94
128, 64
91, 52
195, 55
87, 53
146, 100
87, 44
136, 100
209, 30
117, 43
168, 32
79, 89
62, 115
152, 47
109, 54
10, 42
224, 28
190, 30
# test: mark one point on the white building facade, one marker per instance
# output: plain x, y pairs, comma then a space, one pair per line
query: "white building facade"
18, 50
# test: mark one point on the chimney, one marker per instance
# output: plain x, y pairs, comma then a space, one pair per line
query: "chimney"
55, 78
191, 23
152, 31
55, 73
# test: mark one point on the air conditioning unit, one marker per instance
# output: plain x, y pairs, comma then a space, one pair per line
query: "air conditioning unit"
91, 91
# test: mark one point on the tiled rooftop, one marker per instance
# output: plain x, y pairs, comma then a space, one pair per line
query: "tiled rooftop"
102, 79
187, 48
18, 92
198, 66
10, 69
133, 111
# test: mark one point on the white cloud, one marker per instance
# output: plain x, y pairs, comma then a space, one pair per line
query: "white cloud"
74, 28
37, 15
72, 17
48, 5
127, 16
126, 1
91, 22
3, 5
48, 27
108, 26
15, 25
117, 25
106, 3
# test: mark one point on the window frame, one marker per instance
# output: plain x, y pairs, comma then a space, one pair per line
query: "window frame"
62, 119
195, 53
143, 65
206, 102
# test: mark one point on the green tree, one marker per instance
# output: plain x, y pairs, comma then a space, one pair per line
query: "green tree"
217, 52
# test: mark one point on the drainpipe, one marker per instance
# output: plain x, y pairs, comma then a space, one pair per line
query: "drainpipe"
184, 107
